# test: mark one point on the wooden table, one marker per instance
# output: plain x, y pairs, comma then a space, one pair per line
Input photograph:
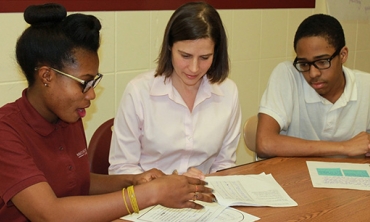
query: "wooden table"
314, 204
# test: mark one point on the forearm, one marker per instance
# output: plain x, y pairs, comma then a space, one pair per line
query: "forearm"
280, 145
39, 203
110, 206
105, 207
271, 143
100, 184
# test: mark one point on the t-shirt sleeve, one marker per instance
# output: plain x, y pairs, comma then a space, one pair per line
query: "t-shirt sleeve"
277, 100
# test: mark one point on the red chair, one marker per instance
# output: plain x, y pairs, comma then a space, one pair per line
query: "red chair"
98, 149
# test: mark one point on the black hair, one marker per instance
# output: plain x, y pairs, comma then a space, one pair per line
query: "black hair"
324, 26
52, 38
191, 21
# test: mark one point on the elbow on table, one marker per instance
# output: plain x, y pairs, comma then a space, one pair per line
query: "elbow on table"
264, 148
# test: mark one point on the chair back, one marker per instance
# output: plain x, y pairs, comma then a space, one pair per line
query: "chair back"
250, 133
98, 149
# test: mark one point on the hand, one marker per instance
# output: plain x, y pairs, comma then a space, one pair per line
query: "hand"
147, 176
177, 191
358, 145
195, 173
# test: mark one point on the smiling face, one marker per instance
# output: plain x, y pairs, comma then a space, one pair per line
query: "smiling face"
191, 60
63, 97
329, 83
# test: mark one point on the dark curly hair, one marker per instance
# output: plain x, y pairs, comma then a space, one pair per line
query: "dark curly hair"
52, 38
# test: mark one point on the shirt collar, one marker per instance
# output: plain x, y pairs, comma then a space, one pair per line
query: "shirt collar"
38, 123
162, 87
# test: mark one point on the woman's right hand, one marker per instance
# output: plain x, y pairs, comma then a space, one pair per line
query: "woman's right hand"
177, 191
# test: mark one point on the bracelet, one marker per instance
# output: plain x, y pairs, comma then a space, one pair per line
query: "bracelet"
131, 195
124, 200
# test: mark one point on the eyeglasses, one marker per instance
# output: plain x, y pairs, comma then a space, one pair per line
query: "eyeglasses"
86, 84
319, 64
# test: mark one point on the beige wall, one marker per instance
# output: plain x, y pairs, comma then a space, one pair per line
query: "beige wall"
258, 40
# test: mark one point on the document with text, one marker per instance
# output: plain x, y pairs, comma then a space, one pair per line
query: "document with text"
249, 190
212, 212
339, 175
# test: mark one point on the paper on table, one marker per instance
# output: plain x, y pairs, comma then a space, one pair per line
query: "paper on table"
211, 212
232, 214
249, 190
339, 175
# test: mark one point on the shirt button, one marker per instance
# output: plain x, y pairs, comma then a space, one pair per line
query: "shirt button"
70, 167
61, 148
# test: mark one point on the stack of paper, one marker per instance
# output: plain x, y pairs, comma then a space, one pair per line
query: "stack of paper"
239, 190
249, 190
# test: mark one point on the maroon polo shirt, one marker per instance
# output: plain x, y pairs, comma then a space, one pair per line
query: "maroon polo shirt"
32, 150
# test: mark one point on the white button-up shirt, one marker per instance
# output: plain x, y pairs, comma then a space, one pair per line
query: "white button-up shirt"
154, 128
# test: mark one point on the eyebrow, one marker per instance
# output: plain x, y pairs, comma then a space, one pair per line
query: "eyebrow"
315, 58
209, 54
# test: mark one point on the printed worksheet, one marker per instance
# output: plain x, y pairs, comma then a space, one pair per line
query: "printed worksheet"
249, 190
212, 212
339, 175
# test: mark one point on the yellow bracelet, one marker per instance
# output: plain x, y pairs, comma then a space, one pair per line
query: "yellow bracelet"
131, 194
124, 200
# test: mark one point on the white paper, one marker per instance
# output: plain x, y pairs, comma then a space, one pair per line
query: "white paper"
232, 214
212, 212
339, 175
349, 10
249, 190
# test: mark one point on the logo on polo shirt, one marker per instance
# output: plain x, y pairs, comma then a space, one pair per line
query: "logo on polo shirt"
82, 153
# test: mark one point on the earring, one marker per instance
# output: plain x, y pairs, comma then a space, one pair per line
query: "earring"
46, 85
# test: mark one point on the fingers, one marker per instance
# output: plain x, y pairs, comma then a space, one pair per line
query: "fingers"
196, 181
195, 196
156, 173
188, 191
140, 181
193, 205
201, 189
197, 206
202, 193
147, 176
195, 173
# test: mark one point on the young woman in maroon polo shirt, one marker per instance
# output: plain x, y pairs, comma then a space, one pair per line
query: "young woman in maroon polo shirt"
43, 158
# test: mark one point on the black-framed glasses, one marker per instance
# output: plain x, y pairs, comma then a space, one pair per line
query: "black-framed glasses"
86, 84
319, 64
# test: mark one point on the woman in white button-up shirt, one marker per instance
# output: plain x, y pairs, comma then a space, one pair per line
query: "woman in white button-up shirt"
185, 116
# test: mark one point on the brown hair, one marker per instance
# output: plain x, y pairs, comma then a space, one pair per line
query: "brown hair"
191, 21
